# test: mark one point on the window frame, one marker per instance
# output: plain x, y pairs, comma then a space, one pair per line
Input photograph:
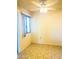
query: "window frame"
23, 25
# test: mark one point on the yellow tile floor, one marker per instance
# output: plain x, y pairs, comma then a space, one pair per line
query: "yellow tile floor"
39, 51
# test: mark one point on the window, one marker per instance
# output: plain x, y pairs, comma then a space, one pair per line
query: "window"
26, 24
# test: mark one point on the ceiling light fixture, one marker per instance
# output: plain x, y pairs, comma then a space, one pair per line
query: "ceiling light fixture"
43, 8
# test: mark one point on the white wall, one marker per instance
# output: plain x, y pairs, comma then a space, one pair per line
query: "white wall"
24, 41
46, 28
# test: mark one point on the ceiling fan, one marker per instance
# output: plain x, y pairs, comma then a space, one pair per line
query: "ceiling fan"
43, 6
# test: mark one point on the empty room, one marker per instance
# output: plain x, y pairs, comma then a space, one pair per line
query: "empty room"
39, 29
